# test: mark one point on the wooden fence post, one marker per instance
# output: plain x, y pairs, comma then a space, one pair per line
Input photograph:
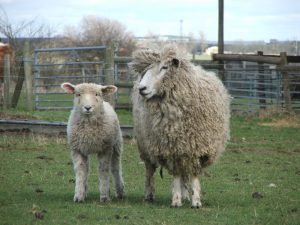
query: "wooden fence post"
6, 62
18, 87
286, 83
28, 75
261, 84
109, 71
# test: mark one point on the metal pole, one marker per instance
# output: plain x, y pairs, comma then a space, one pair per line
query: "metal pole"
221, 28
221, 39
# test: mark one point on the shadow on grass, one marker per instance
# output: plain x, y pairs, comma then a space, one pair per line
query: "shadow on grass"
134, 199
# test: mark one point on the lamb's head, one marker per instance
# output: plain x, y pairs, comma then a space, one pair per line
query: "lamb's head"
154, 76
88, 97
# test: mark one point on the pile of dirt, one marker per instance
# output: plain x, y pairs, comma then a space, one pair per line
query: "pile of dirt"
292, 121
9, 116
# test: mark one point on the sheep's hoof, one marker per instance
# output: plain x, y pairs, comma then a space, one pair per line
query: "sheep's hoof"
120, 197
149, 198
104, 199
176, 205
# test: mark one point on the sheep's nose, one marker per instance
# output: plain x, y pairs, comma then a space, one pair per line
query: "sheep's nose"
87, 108
141, 89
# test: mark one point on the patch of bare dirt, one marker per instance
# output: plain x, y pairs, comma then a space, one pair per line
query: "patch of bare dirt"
293, 122
10, 116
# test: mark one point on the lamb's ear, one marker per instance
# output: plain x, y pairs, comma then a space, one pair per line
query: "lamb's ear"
175, 62
109, 89
68, 87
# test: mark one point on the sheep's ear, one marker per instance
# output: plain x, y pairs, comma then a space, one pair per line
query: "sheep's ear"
68, 87
175, 62
109, 89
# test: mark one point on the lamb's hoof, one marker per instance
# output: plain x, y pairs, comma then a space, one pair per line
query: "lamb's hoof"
196, 205
104, 199
78, 199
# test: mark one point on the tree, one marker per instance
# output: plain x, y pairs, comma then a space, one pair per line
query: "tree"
15, 32
94, 30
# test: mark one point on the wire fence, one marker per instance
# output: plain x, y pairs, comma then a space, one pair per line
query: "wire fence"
253, 86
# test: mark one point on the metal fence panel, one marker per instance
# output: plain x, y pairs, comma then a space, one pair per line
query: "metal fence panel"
253, 86
57, 65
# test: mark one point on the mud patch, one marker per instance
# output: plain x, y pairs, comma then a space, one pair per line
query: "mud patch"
293, 122
18, 116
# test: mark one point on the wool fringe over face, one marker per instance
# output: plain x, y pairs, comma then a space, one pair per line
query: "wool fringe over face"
184, 127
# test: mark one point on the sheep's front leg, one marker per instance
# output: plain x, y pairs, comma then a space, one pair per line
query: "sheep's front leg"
149, 181
116, 169
196, 189
81, 168
176, 192
103, 169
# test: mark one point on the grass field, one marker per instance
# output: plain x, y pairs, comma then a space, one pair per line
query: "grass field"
256, 181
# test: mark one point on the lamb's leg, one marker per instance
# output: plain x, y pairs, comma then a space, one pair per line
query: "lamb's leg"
81, 169
196, 189
149, 181
103, 169
116, 169
176, 192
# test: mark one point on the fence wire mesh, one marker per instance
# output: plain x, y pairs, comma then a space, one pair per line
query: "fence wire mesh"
253, 86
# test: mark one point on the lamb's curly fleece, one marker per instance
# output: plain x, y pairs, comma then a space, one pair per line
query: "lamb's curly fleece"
97, 133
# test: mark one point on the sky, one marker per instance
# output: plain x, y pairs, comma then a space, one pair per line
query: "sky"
246, 20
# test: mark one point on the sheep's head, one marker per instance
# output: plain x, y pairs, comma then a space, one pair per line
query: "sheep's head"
88, 97
153, 77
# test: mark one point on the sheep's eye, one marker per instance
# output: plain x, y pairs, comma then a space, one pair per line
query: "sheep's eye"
77, 94
97, 94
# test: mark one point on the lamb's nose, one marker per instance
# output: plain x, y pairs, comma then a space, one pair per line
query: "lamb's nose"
141, 89
87, 108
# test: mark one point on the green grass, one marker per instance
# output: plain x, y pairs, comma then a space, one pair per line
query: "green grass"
20, 112
36, 178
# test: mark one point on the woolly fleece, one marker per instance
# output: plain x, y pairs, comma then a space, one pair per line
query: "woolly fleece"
186, 126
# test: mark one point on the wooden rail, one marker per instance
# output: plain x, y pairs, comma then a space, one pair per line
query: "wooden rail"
250, 58
281, 61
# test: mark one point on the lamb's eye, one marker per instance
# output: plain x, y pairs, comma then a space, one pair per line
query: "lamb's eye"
77, 94
97, 94
164, 68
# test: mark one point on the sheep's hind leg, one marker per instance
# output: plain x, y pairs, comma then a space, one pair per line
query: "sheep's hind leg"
103, 169
116, 169
149, 182
81, 168
176, 192
196, 189
184, 182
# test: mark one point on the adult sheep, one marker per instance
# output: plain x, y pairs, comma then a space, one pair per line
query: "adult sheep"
181, 119
93, 127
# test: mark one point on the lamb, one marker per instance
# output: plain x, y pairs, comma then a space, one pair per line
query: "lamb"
181, 118
93, 127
